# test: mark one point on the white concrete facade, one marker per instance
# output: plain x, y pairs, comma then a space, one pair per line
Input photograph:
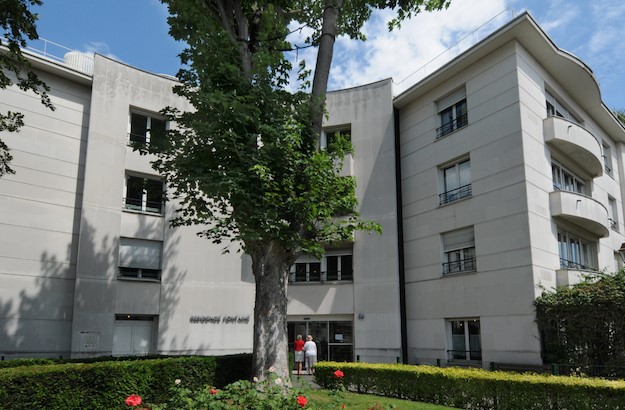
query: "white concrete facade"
493, 188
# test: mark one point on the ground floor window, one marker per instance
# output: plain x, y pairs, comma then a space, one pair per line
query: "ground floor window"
465, 339
335, 339
133, 335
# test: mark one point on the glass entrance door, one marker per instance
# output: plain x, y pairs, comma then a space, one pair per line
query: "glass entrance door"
335, 340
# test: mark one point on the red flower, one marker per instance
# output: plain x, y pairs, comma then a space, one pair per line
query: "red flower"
343, 406
133, 400
338, 374
301, 400
213, 391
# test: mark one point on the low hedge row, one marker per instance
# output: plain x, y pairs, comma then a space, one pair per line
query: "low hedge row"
476, 388
106, 384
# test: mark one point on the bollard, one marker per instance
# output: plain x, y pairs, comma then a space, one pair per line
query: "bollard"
357, 357
492, 366
438, 362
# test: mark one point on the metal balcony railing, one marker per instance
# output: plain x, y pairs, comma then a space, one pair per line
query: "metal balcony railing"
462, 265
321, 277
464, 354
136, 204
568, 264
455, 194
451, 126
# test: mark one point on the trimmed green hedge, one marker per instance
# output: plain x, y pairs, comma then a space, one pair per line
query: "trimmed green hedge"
106, 384
476, 388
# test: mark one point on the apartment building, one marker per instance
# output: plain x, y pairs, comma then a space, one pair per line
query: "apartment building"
494, 178
512, 171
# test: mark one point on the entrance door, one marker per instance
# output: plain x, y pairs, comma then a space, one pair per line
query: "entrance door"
334, 339
133, 337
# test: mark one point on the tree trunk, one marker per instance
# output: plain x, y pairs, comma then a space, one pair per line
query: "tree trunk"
271, 264
324, 61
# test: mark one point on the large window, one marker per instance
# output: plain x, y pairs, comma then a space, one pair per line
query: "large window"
328, 137
139, 258
555, 108
455, 181
452, 113
607, 160
334, 339
466, 343
146, 129
613, 213
576, 252
459, 251
336, 265
144, 194
566, 180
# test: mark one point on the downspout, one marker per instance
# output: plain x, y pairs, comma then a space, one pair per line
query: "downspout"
400, 242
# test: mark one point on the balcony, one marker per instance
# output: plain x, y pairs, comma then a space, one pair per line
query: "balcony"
580, 210
575, 142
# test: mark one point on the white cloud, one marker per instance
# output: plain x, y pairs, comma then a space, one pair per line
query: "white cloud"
100, 47
407, 53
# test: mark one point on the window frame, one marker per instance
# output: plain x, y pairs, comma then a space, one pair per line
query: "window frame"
608, 164
576, 252
459, 254
579, 184
463, 354
304, 270
128, 260
452, 113
613, 213
150, 117
463, 190
141, 204
555, 108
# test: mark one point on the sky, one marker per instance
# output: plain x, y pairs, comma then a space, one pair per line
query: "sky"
136, 33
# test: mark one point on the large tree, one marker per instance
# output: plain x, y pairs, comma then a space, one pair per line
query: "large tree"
18, 24
246, 163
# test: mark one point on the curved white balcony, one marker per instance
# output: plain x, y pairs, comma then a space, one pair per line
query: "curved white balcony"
575, 142
581, 210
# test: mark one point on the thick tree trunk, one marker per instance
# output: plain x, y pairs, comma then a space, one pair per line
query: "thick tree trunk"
270, 264
324, 61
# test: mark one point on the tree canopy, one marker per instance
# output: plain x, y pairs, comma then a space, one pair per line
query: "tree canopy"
19, 24
246, 163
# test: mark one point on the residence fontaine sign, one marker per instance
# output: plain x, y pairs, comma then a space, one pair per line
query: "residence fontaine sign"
226, 320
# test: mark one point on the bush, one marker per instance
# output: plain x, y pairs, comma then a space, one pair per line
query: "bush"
105, 384
476, 388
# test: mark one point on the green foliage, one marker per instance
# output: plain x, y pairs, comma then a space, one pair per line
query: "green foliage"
476, 388
585, 324
270, 394
18, 24
620, 115
105, 385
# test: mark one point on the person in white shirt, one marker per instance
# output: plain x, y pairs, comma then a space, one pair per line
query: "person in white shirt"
310, 350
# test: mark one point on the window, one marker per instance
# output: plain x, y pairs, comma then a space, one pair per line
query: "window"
144, 194
555, 108
576, 252
459, 251
565, 180
452, 113
139, 258
146, 129
456, 182
336, 265
613, 213
328, 137
607, 159
466, 343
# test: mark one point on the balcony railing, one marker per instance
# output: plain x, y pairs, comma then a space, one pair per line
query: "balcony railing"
568, 264
464, 354
459, 266
613, 224
321, 277
135, 204
451, 126
455, 194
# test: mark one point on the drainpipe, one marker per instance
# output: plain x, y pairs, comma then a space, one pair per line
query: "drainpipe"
400, 241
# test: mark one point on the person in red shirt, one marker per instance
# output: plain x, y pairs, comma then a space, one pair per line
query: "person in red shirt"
299, 353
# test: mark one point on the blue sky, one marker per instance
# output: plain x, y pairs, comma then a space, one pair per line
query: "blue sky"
135, 32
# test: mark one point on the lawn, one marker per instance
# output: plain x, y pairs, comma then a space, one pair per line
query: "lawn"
325, 399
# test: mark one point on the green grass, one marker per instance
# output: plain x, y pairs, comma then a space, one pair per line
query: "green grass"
326, 400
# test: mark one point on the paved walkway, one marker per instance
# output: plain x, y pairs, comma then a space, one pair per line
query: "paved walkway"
305, 380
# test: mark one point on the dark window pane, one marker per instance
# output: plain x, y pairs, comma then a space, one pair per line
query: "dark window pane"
300, 272
154, 195
347, 272
314, 273
341, 332
138, 128
333, 268
157, 131
134, 192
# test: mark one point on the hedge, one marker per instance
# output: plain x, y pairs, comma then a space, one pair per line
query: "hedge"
476, 388
106, 384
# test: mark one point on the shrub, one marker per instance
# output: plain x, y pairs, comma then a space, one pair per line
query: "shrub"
106, 384
476, 388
